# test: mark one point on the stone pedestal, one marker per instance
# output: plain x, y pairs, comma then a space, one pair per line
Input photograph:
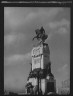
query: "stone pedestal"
41, 69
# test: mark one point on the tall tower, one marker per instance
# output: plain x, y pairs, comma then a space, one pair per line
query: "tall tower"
40, 56
40, 76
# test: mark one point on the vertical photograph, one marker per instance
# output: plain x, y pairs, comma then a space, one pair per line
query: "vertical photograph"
37, 50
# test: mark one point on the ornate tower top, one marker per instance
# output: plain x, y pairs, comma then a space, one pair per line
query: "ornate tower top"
40, 35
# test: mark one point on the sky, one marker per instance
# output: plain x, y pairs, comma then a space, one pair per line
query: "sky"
20, 24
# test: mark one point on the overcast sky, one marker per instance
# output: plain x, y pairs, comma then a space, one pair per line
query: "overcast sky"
19, 29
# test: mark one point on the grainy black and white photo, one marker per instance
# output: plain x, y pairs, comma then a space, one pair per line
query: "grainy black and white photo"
37, 50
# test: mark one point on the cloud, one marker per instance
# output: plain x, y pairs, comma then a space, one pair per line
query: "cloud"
62, 30
8, 39
60, 27
48, 13
12, 38
57, 24
17, 20
63, 68
17, 59
15, 17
